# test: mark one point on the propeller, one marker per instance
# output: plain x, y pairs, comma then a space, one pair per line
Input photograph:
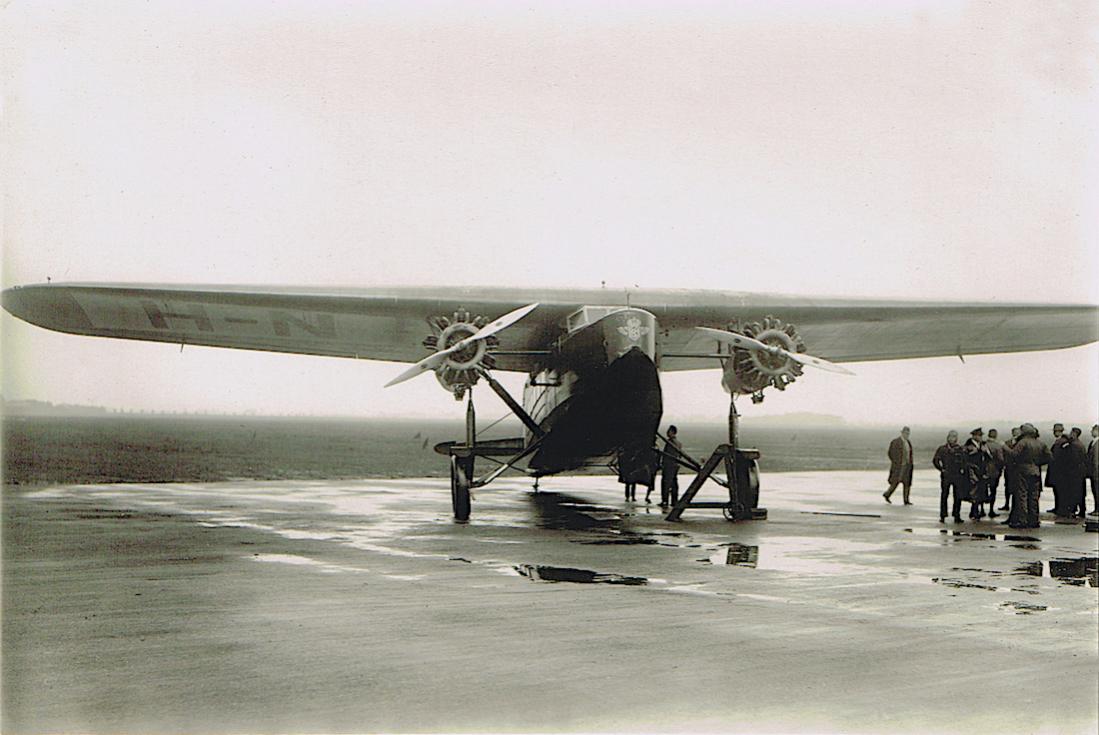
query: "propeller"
747, 343
436, 359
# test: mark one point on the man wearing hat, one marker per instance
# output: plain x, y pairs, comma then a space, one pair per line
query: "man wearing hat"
1028, 454
977, 460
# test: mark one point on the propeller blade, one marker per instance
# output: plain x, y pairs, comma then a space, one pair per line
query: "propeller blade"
432, 361
436, 359
490, 329
742, 342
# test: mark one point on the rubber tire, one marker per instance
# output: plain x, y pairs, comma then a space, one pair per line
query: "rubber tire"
459, 490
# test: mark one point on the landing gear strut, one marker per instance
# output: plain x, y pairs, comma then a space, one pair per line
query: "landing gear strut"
463, 455
741, 478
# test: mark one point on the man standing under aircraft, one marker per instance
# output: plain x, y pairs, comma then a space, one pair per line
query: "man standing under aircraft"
949, 460
669, 469
1074, 470
900, 465
1093, 468
995, 469
977, 461
1028, 455
1009, 472
1010, 476
1053, 472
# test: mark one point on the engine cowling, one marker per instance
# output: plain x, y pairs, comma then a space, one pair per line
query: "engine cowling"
751, 372
458, 373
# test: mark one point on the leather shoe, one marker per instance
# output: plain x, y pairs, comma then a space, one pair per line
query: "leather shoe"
887, 498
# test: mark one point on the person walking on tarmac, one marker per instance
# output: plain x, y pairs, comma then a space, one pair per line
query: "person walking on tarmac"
669, 469
977, 459
900, 465
949, 460
1028, 455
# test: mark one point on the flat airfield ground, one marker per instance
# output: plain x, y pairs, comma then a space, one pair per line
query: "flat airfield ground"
359, 605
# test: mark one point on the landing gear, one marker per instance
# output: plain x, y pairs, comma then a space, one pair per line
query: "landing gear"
741, 478
461, 471
464, 455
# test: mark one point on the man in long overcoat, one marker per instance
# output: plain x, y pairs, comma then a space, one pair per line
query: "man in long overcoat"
1053, 472
900, 465
1074, 468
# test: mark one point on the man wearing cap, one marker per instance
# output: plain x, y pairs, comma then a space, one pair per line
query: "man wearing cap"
995, 470
1053, 472
977, 460
1028, 455
900, 465
949, 460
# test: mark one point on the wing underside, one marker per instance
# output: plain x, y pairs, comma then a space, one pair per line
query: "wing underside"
391, 324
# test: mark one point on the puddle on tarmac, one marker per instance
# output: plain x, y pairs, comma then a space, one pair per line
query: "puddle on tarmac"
1079, 571
1023, 608
740, 555
537, 573
970, 534
961, 583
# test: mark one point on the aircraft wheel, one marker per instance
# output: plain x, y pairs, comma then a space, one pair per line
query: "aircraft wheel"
459, 490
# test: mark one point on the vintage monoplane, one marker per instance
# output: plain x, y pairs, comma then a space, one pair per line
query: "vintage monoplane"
592, 357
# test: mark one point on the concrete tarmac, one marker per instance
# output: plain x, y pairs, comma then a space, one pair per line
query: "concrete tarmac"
361, 606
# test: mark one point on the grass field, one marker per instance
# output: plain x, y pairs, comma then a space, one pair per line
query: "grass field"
140, 449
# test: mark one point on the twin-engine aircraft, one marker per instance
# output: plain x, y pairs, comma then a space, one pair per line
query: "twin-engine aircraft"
592, 357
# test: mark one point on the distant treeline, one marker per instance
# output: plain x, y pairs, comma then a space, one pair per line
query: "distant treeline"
128, 448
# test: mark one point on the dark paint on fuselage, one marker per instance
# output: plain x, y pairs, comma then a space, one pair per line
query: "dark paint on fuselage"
598, 393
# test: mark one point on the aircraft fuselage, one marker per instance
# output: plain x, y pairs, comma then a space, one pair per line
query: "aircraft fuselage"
598, 391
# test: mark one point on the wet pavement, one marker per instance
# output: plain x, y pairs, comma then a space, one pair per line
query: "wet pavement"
844, 596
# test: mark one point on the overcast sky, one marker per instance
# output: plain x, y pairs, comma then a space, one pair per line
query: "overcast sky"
924, 150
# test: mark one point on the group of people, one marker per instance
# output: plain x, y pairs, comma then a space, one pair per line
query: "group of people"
639, 467
971, 472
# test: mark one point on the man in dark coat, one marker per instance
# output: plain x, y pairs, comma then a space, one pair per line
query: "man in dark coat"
1093, 468
1027, 456
977, 461
1053, 472
1074, 468
669, 469
949, 460
995, 469
1009, 472
900, 465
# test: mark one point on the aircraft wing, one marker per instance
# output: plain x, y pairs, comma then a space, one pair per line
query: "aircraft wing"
391, 323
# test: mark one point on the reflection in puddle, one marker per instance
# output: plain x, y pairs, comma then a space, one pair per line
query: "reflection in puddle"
738, 555
580, 576
959, 584
970, 534
1023, 608
1078, 571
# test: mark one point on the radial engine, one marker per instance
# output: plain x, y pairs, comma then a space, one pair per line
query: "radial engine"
458, 372
750, 372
